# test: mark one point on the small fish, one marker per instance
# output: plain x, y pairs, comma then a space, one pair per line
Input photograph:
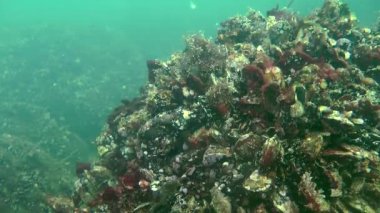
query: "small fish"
193, 6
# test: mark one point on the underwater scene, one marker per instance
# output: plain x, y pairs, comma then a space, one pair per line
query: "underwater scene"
217, 106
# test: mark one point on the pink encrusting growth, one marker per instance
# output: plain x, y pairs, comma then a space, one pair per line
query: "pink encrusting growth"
326, 71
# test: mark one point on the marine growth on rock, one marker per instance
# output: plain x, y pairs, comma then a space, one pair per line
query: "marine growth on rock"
278, 114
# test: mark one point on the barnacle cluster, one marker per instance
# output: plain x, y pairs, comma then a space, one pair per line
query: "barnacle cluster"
279, 114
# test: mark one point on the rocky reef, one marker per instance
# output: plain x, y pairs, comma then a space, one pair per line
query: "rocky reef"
279, 114
34, 154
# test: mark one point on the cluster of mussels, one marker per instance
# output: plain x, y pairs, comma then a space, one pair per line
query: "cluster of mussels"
279, 114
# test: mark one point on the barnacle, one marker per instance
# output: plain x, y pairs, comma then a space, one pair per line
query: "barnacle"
257, 182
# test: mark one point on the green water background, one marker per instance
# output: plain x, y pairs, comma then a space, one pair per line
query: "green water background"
65, 64
157, 25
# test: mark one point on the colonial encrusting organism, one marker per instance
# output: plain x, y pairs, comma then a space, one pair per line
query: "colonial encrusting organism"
279, 114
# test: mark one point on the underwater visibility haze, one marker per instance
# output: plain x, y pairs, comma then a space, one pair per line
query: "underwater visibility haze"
189, 106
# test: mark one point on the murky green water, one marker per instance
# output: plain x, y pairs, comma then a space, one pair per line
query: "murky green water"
64, 65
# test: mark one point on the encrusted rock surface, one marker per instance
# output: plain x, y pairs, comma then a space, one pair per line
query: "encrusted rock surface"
279, 114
